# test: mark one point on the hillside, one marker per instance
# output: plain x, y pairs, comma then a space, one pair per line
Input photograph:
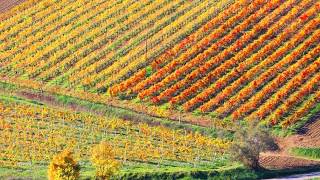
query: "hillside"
306, 138
168, 84
200, 56
32, 133
256, 64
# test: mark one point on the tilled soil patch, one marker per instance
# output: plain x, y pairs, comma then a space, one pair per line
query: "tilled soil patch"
285, 162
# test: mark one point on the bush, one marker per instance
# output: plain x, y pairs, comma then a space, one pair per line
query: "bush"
103, 158
63, 167
249, 141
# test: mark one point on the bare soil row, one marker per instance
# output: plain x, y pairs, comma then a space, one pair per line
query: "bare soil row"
6, 5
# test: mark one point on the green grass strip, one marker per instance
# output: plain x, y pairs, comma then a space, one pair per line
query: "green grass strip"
311, 153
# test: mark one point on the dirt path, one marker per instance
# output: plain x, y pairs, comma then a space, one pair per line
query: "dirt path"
308, 136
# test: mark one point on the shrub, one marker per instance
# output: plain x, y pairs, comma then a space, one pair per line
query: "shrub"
63, 167
103, 158
249, 141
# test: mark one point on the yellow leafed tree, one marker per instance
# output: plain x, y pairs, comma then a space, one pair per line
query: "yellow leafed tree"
103, 158
63, 167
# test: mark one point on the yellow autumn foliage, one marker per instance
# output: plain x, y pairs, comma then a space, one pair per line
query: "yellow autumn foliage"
63, 167
104, 159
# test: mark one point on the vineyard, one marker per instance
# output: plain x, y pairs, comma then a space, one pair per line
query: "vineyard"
201, 56
208, 64
32, 134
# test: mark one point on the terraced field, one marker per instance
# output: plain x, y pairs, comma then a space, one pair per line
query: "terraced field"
259, 62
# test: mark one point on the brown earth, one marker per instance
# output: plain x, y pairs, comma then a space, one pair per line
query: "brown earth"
307, 136
6, 5
273, 161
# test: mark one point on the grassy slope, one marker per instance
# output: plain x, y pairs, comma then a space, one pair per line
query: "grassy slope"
106, 110
142, 171
133, 169
293, 129
235, 171
310, 153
